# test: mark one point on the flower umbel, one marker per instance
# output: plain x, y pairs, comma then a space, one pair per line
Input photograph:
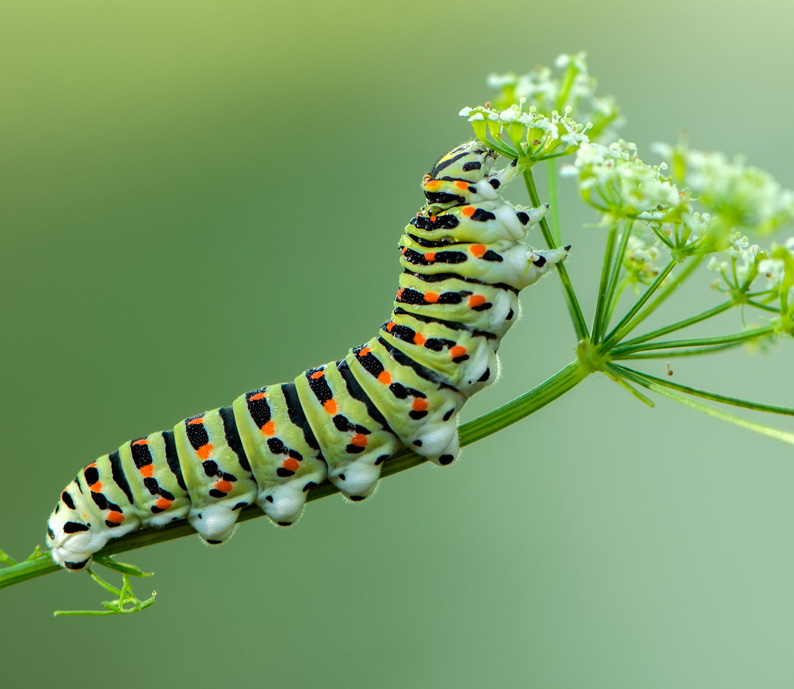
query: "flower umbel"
527, 135
575, 88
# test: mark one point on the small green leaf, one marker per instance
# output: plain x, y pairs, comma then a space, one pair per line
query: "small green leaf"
123, 567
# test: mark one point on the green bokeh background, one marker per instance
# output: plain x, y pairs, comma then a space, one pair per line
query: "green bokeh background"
199, 198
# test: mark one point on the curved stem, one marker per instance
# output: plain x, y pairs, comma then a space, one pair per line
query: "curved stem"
679, 325
496, 420
579, 324
642, 378
629, 322
551, 182
744, 336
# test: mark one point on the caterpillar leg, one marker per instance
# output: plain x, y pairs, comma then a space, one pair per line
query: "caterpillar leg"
421, 412
354, 436
282, 448
530, 264
216, 471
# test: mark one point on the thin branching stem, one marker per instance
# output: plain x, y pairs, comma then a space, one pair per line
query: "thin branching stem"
577, 317
642, 378
744, 336
603, 302
635, 316
670, 353
652, 335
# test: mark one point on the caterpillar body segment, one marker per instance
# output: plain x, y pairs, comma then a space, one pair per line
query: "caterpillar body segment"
285, 458
355, 437
419, 405
463, 264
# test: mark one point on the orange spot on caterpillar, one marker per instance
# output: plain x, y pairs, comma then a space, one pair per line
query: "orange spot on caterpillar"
384, 377
419, 404
390, 326
317, 374
96, 487
457, 351
430, 256
462, 185
476, 300
88, 466
419, 339
204, 451
432, 184
291, 464
141, 441
223, 486
330, 406
258, 396
115, 517
364, 351
433, 218
478, 250
164, 503
197, 420
468, 211
359, 440
400, 292
269, 428
431, 297
147, 470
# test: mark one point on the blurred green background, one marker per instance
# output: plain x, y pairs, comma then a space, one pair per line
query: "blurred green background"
199, 198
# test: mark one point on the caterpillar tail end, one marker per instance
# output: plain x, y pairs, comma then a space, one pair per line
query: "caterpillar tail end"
72, 543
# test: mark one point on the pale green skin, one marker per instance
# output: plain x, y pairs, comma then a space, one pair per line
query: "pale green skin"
437, 388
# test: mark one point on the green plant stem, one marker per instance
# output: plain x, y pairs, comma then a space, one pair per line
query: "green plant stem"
613, 294
735, 338
551, 183
626, 324
672, 353
607, 271
492, 422
644, 379
763, 307
680, 325
577, 317
632, 319
770, 432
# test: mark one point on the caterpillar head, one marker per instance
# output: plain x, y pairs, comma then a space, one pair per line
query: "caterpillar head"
453, 178
469, 162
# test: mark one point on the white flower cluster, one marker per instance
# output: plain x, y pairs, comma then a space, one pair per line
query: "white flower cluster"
775, 269
741, 255
744, 262
615, 180
640, 260
744, 197
575, 89
540, 136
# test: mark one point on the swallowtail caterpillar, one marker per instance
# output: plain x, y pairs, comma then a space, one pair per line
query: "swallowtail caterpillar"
463, 265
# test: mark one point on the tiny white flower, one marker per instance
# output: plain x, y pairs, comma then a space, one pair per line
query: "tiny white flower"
716, 264
509, 115
773, 269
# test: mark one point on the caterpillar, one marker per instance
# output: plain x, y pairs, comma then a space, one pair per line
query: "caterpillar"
463, 265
